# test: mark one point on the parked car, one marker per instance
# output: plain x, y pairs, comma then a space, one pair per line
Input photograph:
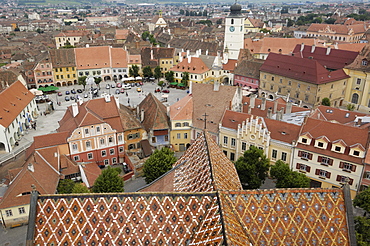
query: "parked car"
126, 86
119, 85
107, 86
166, 91
66, 98
157, 89
138, 89
117, 91
79, 90
73, 91
60, 94
67, 92
113, 86
122, 90
86, 96
73, 98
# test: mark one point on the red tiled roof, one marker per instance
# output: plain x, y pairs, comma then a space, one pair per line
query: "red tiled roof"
196, 65
337, 29
303, 69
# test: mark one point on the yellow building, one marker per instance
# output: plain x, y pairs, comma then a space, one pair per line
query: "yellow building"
253, 25
69, 38
302, 80
181, 114
64, 67
357, 90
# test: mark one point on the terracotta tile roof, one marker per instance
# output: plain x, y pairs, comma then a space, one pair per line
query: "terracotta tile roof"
13, 100
364, 55
92, 172
249, 68
196, 65
182, 109
334, 132
151, 56
303, 69
281, 217
128, 119
134, 59
43, 177
155, 114
62, 58
119, 58
335, 114
328, 57
72, 33
49, 140
121, 33
230, 65
214, 103
276, 45
337, 29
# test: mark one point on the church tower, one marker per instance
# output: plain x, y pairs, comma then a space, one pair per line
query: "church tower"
234, 32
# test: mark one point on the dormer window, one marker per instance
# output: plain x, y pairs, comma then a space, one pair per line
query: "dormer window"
356, 153
337, 148
304, 140
320, 144
364, 63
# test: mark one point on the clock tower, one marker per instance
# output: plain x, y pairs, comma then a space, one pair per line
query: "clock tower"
234, 32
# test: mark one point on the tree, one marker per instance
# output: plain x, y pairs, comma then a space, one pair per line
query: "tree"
158, 163
108, 181
219, 21
325, 101
330, 21
170, 76
97, 81
362, 224
134, 71
145, 35
147, 71
252, 168
157, 72
65, 186
185, 78
82, 81
287, 178
80, 188
350, 107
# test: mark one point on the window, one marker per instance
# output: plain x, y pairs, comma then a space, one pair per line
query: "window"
88, 144
303, 167
289, 82
304, 140
76, 158
86, 131
323, 160
244, 146
364, 63
120, 138
178, 135
131, 146
344, 179
355, 98
8, 213
367, 175
233, 142
165, 137
358, 81
305, 155
272, 78
106, 162
102, 141
74, 147
185, 136
21, 210
232, 156
111, 151
226, 139
185, 124
337, 148
274, 153
356, 153
103, 153
114, 160
283, 156
110, 139
120, 149
347, 167
154, 139
320, 144
323, 173
178, 125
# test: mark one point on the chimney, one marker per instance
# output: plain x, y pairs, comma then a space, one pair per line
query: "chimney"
207, 52
116, 99
30, 167
279, 114
142, 114
151, 54
302, 47
80, 101
189, 59
263, 104
216, 86
359, 121
180, 57
313, 48
74, 109
191, 88
328, 50
249, 109
275, 106
269, 113
107, 98
187, 52
252, 100
288, 108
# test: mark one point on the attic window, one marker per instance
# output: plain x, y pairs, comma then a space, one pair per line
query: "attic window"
364, 63
347, 115
284, 133
6, 110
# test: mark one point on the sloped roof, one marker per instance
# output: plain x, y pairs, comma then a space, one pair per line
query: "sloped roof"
62, 58
128, 119
249, 68
334, 114
364, 55
191, 65
182, 109
121, 33
328, 57
155, 114
303, 69
13, 100
337, 29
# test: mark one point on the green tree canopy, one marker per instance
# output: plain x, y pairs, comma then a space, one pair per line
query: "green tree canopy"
185, 78
108, 181
252, 168
145, 35
134, 71
80, 188
362, 224
287, 178
170, 77
362, 200
65, 186
97, 80
147, 71
157, 72
82, 81
158, 163
325, 101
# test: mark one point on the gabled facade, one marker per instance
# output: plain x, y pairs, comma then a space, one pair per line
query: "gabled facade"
253, 25
69, 37
43, 72
162, 57
343, 33
331, 154
64, 67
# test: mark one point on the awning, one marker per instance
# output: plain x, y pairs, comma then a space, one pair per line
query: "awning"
181, 85
173, 83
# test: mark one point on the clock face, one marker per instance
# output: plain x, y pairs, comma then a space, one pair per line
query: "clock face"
232, 29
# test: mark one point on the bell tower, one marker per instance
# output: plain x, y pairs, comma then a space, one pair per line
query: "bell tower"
234, 32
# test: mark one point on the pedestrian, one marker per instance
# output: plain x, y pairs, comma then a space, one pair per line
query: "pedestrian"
128, 100
126, 94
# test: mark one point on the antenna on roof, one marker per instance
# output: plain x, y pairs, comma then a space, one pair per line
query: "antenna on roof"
205, 120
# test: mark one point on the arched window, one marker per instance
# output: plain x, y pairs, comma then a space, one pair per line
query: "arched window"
232, 21
354, 98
